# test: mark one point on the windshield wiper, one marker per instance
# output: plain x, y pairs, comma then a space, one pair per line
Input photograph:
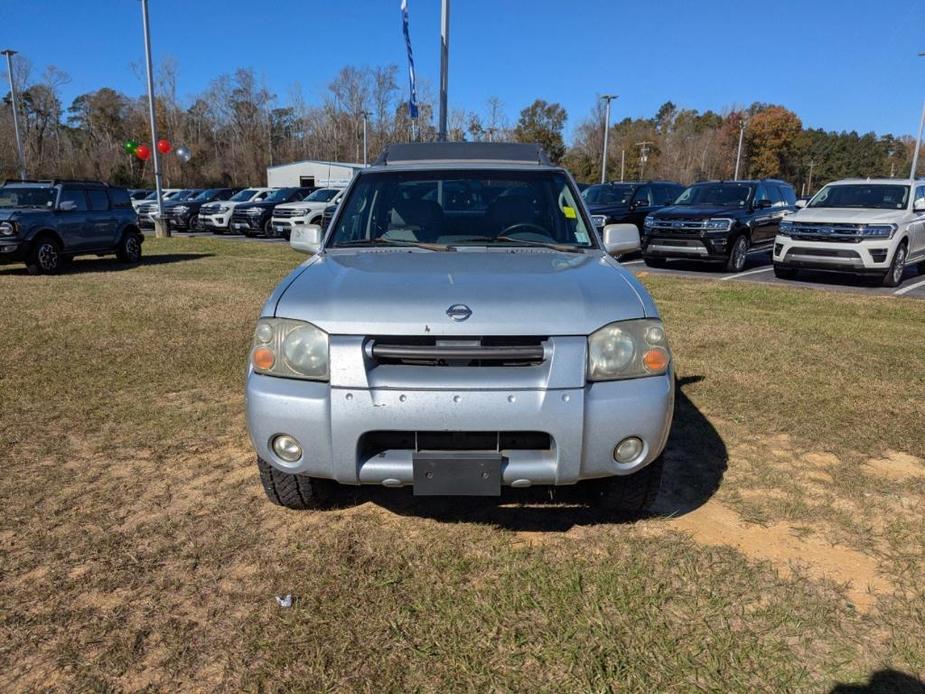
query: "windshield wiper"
379, 241
563, 247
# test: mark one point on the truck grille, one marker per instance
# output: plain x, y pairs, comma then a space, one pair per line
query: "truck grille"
838, 233
282, 212
677, 224
485, 351
376, 442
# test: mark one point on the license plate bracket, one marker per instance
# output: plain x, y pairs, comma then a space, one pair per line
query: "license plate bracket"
453, 473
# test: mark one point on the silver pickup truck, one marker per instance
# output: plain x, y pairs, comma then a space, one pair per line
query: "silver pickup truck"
459, 327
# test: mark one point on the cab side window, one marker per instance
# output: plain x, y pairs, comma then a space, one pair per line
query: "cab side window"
72, 200
919, 196
99, 200
787, 195
120, 199
643, 196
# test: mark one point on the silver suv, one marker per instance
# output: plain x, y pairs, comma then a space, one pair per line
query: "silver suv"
460, 328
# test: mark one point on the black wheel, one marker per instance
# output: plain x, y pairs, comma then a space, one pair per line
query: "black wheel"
921, 268
129, 249
654, 262
44, 258
894, 275
737, 254
295, 491
784, 273
631, 495
268, 230
193, 223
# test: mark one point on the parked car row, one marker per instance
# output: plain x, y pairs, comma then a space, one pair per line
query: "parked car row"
872, 227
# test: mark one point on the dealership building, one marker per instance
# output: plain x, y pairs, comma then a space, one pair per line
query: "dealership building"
333, 174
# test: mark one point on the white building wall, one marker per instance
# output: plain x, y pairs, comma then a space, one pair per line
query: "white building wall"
324, 173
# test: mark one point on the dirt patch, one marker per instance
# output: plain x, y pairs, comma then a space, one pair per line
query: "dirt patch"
897, 466
787, 548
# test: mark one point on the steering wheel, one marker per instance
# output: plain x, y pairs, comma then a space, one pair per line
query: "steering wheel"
526, 225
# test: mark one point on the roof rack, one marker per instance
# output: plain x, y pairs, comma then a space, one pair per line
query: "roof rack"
496, 152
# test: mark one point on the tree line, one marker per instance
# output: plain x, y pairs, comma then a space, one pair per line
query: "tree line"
237, 127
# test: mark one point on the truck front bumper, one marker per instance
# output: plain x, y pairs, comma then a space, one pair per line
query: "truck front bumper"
12, 251
864, 257
337, 425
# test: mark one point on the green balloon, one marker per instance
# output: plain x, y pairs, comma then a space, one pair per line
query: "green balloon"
130, 147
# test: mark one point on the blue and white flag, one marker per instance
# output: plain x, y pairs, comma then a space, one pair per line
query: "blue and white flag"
413, 98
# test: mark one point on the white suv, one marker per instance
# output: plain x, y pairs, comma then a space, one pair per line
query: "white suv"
217, 215
308, 211
862, 226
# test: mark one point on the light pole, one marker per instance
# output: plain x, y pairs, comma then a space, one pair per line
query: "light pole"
742, 125
622, 163
643, 158
365, 151
607, 99
161, 229
444, 63
22, 157
918, 142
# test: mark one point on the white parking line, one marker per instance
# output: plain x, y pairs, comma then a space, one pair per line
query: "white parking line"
906, 290
750, 272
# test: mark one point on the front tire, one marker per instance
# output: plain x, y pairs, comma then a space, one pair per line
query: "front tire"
45, 258
784, 273
298, 492
631, 495
738, 254
894, 275
129, 249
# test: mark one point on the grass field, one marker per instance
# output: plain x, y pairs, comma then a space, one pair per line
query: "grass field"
138, 550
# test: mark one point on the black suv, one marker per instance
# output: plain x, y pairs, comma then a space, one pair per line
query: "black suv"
254, 217
720, 221
46, 223
183, 214
630, 201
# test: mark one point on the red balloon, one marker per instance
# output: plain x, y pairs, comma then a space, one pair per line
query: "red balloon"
163, 146
143, 152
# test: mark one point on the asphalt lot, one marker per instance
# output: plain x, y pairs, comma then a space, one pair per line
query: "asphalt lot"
757, 269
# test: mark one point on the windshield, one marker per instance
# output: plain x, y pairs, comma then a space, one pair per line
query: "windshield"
871, 196
322, 195
460, 208
245, 194
16, 196
279, 195
716, 195
608, 194
186, 195
206, 195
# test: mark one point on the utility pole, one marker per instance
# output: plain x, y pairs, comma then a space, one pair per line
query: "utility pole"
491, 134
444, 63
161, 228
643, 158
809, 185
742, 124
918, 141
365, 151
607, 99
622, 163
22, 157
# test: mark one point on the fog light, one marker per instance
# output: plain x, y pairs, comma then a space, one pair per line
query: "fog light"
627, 450
287, 448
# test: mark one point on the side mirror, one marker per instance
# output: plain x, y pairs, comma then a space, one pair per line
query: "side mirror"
639, 203
800, 204
620, 239
306, 239
67, 206
919, 205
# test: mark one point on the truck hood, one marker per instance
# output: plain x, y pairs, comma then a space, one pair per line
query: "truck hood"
407, 292
842, 215
312, 206
697, 212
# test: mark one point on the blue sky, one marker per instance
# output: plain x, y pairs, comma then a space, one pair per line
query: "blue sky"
840, 64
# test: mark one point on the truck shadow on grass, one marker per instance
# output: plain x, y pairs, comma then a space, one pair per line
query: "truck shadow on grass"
80, 266
695, 461
882, 682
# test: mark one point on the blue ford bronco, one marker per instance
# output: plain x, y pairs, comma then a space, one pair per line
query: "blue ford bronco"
45, 224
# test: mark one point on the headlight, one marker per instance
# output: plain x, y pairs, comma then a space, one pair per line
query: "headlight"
878, 231
650, 221
181, 209
223, 208
7, 228
599, 220
628, 349
253, 211
718, 225
785, 228
290, 349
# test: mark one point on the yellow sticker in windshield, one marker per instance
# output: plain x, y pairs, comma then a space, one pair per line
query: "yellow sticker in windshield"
569, 212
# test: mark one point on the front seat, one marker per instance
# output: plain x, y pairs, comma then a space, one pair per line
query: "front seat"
425, 217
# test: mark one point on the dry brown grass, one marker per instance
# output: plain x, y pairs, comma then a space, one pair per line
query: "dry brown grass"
137, 550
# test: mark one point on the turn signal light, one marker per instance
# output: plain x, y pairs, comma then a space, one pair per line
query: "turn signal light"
263, 358
655, 360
